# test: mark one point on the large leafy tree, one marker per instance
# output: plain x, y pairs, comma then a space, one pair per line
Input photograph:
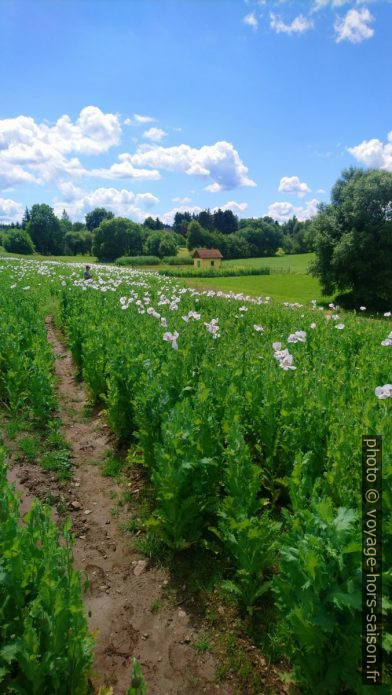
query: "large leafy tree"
197, 236
152, 243
45, 230
18, 241
96, 216
168, 245
156, 224
353, 238
117, 237
237, 246
161, 244
78, 242
263, 238
297, 236
181, 222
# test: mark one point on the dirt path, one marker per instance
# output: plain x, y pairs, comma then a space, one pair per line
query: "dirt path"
122, 585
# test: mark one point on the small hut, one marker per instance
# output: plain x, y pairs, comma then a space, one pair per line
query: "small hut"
207, 258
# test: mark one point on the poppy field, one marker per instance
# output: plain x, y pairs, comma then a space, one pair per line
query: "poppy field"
249, 415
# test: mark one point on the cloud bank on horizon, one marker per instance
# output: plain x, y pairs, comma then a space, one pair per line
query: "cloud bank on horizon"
40, 154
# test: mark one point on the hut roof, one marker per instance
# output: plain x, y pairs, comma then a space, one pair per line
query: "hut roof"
207, 253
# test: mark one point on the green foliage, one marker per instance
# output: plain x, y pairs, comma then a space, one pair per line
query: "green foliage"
117, 237
138, 260
319, 593
45, 646
177, 260
298, 237
45, 230
202, 645
26, 218
161, 244
138, 685
223, 272
224, 221
185, 475
353, 238
18, 241
263, 238
181, 222
26, 382
152, 244
96, 216
197, 237
249, 535
233, 443
78, 242
59, 461
168, 245
29, 447
153, 224
112, 467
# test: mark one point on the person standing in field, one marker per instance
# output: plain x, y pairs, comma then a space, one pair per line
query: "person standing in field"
87, 275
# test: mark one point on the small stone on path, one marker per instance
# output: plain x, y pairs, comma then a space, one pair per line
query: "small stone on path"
140, 567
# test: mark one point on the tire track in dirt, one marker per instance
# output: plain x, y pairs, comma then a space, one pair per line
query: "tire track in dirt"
122, 585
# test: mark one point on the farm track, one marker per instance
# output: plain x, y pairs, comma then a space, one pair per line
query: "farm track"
122, 586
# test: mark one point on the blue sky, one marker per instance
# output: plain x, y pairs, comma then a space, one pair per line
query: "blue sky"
149, 106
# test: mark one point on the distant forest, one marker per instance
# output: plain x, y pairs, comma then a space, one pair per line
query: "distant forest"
108, 237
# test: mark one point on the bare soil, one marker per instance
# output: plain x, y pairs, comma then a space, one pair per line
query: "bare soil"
122, 585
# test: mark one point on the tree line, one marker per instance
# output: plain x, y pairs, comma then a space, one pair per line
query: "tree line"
109, 237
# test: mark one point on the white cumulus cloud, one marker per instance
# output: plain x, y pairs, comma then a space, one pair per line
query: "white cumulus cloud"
10, 211
374, 153
299, 24
122, 203
219, 162
251, 20
292, 184
38, 152
143, 119
13, 174
124, 169
283, 211
182, 201
155, 134
320, 4
232, 205
354, 26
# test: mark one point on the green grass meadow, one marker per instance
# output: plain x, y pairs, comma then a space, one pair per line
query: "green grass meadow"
291, 285
298, 263
282, 288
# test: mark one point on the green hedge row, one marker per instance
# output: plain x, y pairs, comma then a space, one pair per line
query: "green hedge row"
138, 260
178, 260
226, 272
